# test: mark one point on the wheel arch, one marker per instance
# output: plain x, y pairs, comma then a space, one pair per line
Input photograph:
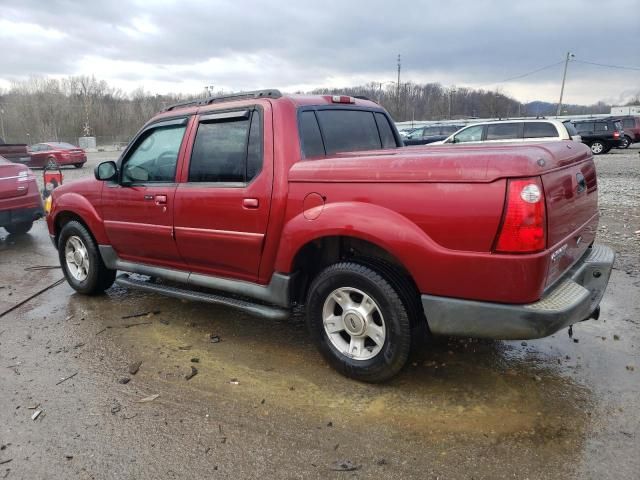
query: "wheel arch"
72, 206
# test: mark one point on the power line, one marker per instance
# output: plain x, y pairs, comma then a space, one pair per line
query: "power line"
622, 67
524, 74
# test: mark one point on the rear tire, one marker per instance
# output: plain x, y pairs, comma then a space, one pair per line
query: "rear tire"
19, 228
51, 163
625, 142
597, 147
81, 261
78, 165
359, 322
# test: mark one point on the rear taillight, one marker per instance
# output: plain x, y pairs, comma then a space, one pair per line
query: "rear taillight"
616, 134
524, 222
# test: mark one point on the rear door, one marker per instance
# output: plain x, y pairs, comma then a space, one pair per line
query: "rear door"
138, 209
223, 200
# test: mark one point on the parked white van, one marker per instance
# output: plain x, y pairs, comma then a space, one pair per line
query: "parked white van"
535, 130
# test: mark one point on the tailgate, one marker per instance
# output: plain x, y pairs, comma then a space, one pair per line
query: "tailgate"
11, 184
572, 206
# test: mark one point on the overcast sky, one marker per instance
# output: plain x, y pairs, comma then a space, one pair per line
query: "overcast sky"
181, 46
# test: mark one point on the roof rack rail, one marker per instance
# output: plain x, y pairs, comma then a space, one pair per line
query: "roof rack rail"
270, 93
361, 97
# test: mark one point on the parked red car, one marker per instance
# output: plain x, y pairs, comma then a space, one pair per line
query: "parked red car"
20, 201
262, 201
631, 126
56, 153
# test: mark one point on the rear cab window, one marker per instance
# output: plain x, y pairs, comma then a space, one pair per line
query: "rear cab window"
325, 131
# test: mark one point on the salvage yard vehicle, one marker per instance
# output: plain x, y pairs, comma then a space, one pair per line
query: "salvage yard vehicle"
601, 134
20, 202
262, 201
430, 134
56, 154
15, 152
631, 126
535, 130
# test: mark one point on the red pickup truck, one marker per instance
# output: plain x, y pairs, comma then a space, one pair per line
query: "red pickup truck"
263, 201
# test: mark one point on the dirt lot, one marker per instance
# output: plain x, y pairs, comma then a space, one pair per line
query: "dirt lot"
264, 404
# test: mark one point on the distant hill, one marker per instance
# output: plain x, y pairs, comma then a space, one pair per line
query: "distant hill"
545, 108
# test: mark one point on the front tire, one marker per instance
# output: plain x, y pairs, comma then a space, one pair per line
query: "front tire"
81, 261
78, 165
597, 147
19, 228
359, 322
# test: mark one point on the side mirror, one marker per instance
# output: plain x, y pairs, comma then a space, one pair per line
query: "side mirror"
106, 171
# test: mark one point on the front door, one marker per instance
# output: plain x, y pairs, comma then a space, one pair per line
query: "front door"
222, 202
138, 209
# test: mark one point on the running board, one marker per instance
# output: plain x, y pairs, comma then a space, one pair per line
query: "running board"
256, 309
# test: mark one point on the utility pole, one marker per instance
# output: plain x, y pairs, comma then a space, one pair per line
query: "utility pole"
452, 91
564, 78
2, 123
398, 86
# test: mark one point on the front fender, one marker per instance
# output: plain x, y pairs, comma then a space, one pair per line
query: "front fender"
385, 228
77, 205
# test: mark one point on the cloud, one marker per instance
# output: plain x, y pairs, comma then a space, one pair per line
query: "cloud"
183, 45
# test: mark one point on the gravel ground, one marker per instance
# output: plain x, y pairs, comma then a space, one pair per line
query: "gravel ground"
619, 200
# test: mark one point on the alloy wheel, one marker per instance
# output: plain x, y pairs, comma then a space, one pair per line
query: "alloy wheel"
354, 323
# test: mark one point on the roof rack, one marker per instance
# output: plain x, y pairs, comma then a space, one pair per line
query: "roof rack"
270, 93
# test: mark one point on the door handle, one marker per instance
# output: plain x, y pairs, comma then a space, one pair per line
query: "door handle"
250, 203
161, 199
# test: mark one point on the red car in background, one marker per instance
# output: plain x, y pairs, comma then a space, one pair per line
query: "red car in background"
58, 153
20, 201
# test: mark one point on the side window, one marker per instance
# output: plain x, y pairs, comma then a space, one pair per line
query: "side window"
310, 136
601, 127
254, 149
386, 134
570, 128
348, 130
227, 149
155, 156
470, 134
584, 127
628, 123
449, 129
504, 131
539, 130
